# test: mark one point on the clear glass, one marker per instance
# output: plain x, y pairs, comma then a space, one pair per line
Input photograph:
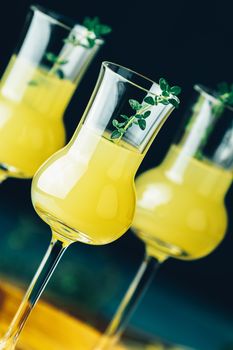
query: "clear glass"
86, 192
180, 209
36, 88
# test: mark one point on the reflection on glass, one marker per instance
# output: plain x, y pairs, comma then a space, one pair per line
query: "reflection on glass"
180, 209
85, 192
36, 88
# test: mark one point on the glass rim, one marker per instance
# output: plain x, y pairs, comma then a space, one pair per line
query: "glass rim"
210, 94
107, 65
54, 16
63, 21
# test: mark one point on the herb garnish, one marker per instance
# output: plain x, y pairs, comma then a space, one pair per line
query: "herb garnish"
142, 111
225, 93
94, 31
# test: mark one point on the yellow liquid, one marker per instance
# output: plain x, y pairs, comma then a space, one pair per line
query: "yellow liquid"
31, 126
180, 207
86, 191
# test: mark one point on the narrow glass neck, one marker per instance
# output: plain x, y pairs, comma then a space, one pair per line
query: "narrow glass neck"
110, 109
120, 162
46, 67
207, 133
202, 156
205, 178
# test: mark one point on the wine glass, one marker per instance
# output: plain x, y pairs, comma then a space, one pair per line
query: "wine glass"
180, 209
85, 192
37, 85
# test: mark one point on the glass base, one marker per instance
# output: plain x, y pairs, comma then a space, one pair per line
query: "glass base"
62, 231
160, 249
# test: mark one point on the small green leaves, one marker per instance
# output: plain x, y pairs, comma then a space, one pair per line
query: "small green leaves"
33, 83
165, 102
166, 97
51, 57
115, 123
94, 25
71, 40
225, 93
95, 30
149, 100
115, 134
142, 124
174, 102
135, 104
91, 42
163, 84
175, 90
146, 114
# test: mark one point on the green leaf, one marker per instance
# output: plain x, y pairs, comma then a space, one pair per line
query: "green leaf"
165, 93
146, 114
174, 102
149, 100
175, 90
33, 83
165, 102
121, 124
115, 134
51, 57
60, 73
142, 124
90, 23
135, 104
103, 29
138, 116
115, 123
94, 25
124, 116
62, 62
91, 42
163, 84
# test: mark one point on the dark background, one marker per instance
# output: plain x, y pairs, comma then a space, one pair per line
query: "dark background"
189, 302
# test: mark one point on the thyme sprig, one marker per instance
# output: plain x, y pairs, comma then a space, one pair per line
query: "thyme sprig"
94, 31
225, 93
142, 110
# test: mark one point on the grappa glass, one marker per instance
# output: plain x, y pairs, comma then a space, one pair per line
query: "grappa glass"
180, 209
36, 88
85, 192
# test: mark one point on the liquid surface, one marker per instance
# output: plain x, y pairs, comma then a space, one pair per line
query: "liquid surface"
32, 104
86, 191
180, 208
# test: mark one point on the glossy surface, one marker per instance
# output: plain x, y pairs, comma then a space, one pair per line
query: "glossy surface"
180, 207
86, 191
32, 103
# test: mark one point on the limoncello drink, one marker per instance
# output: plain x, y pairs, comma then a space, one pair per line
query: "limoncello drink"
86, 191
180, 208
32, 103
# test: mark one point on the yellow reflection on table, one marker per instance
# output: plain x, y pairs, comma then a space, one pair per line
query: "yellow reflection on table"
49, 328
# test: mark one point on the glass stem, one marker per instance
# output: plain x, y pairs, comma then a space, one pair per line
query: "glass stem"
53, 255
134, 294
2, 177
